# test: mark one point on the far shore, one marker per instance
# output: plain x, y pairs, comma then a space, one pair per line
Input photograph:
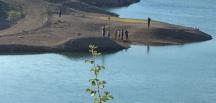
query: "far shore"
43, 30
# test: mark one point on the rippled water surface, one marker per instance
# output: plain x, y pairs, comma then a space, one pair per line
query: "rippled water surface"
168, 74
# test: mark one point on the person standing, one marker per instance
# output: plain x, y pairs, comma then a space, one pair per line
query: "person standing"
103, 31
149, 22
116, 34
108, 34
126, 34
122, 34
119, 34
60, 12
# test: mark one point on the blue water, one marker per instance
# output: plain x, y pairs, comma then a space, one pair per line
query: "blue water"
194, 13
168, 74
4, 23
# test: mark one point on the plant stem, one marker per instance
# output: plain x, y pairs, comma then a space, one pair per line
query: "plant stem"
98, 89
96, 76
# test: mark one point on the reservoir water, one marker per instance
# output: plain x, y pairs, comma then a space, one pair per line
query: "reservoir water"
167, 74
3, 18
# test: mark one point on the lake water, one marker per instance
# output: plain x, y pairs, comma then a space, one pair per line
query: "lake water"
167, 74
3, 22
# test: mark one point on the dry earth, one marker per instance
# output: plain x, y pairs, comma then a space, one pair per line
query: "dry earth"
43, 30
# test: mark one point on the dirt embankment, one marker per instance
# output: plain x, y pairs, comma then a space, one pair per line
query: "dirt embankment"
110, 3
43, 30
77, 45
35, 16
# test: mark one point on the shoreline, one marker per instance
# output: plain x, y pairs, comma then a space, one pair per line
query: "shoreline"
79, 45
80, 26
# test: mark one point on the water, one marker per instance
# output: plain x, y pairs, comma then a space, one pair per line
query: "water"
168, 74
194, 13
4, 23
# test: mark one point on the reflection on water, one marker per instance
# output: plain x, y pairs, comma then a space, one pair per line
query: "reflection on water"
141, 74
148, 48
133, 76
80, 55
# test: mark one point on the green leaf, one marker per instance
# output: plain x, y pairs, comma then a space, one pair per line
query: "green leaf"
89, 61
106, 93
93, 93
96, 100
104, 98
111, 97
92, 46
93, 82
102, 84
92, 70
102, 67
88, 90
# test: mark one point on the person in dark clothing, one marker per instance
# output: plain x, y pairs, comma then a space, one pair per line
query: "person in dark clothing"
126, 34
103, 31
119, 34
116, 34
149, 22
108, 34
60, 12
122, 34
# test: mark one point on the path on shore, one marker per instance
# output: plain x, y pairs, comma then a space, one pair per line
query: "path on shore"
42, 29
35, 12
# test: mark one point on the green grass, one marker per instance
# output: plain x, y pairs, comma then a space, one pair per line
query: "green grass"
12, 14
126, 20
8, 12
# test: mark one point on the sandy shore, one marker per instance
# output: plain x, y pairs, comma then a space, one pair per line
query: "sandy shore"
41, 30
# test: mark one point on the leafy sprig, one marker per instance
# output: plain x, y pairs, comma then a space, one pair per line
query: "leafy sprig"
97, 85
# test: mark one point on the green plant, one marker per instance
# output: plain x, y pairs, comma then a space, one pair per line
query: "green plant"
97, 86
12, 14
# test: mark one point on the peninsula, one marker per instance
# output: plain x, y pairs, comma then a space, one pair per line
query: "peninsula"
43, 29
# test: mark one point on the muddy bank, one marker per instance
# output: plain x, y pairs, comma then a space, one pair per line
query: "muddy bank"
82, 44
110, 3
100, 3
71, 45
168, 36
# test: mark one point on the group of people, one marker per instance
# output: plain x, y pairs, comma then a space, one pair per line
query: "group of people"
118, 34
121, 34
